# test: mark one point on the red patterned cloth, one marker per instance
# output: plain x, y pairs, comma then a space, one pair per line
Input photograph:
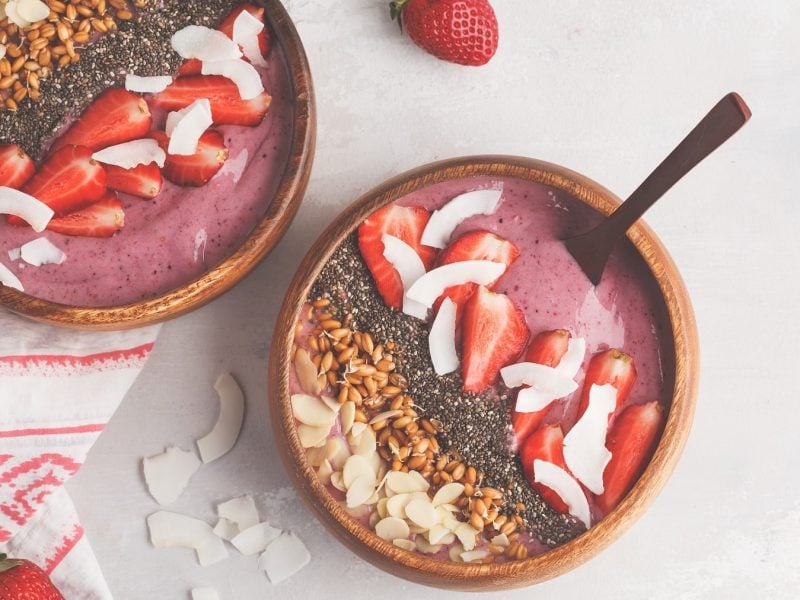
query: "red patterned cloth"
58, 389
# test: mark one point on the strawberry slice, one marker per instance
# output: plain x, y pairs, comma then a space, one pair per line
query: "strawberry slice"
144, 181
631, 440
227, 107
611, 366
197, 169
475, 245
547, 348
404, 222
114, 117
16, 167
494, 333
194, 66
546, 443
104, 218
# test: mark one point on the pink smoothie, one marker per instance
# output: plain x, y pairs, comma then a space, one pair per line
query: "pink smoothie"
184, 231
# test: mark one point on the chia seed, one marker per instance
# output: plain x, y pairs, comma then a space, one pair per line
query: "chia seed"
477, 426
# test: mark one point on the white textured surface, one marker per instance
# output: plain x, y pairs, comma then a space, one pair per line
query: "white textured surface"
606, 88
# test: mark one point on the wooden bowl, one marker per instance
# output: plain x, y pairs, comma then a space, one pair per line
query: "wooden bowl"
261, 241
476, 577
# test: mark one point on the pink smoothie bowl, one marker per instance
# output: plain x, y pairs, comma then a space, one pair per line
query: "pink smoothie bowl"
273, 190
679, 358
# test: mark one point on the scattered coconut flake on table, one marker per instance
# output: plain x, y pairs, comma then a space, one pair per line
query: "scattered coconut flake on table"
41, 251
34, 212
442, 339
562, 483
246, 28
173, 530
255, 539
241, 510
147, 85
585, 449
431, 285
185, 127
226, 529
8, 278
240, 72
231, 414
131, 154
204, 593
443, 222
409, 266
284, 557
203, 43
168, 474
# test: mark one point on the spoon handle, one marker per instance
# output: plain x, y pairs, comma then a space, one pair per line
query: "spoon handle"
722, 121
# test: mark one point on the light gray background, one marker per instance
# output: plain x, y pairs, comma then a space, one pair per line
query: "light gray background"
604, 87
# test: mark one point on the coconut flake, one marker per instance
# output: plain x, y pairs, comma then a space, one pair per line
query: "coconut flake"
431, 285
32, 10
203, 43
231, 414
409, 266
255, 539
130, 154
558, 480
168, 474
241, 510
7, 278
34, 212
226, 529
185, 127
246, 28
312, 411
204, 593
173, 530
585, 449
542, 377
147, 85
41, 251
443, 222
442, 339
240, 72
284, 557
573, 357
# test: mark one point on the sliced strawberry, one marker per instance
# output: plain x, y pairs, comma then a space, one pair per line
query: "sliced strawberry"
494, 333
547, 348
197, 169
191, 66
404, 222
16, 167
631, 440
68, 181
144, 181
114, 117
102, 219
475, 245
226, 26
546, 443
612, 366
227, 107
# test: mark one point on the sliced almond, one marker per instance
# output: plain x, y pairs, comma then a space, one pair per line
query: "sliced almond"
405, 544
356, 466
324, 472
312, 436
455, 552
357, 429
437, 533
474, 555
425, 547
381, 508
389, 414
392, 528
312, 411
422, 513
467, 535
306, 372
448, 493
348, 415
366, 443
500, 540
337, 481
336, 452
360, 490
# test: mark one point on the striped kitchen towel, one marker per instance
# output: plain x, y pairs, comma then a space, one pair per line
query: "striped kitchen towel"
58, 389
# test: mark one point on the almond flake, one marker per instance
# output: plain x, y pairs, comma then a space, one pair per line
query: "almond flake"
392, 528
467, 535
424, 546
405, 544
474, 555
356, 466
312, 411
324, 472
360, 490
306, 372
455, 552
348, 415
437, 534
357, 429
32, 10
381, 509
366, 443
448, 493
404, 483
444, 221
500, 540
337, 482
312, 436
336, 452
384, 415
422, 513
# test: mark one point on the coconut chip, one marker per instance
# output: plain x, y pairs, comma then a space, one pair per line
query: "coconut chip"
41, 251
284, 557
585, 449
240, 72
203, 43
133, 153
443, 222
173, 530
255, 539
442, 339
185, 127
226, 529
231, 414
241, 511
409, 267
431, 285
168, 474
573, 357
7, 278
246, 28
204, 593
147, 85
34, 212
558, 480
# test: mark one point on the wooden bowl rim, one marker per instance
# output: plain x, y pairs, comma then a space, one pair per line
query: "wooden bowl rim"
417, 567
264, 237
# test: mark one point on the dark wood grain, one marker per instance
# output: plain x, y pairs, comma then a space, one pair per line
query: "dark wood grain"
484, 577
261, 241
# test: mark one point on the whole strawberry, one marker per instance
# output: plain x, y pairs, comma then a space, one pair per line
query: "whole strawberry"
23, 580
459, 31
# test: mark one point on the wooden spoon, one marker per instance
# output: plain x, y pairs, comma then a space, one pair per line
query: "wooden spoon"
592, 249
